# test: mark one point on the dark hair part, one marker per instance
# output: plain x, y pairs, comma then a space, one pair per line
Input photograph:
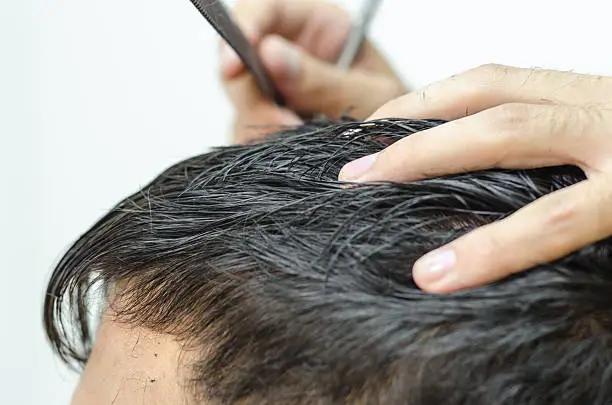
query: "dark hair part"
302, 287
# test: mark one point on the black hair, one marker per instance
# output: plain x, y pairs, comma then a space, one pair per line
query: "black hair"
302, 286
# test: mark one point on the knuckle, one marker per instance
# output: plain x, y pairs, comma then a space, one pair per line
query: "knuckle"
509, 118
583, 120
503, 125
579, 130
490, 71
561, 216
595, 118
569, 225
489, 75
481, 82
488, 68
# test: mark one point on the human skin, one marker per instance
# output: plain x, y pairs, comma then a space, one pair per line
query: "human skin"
506, 117
299, 42
502, 117
134, 365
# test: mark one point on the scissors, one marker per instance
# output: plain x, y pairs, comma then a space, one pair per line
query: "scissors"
219, 17
358, 33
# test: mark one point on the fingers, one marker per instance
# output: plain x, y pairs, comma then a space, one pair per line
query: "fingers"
509, 136
244, 93
299, 43
313, 85
256, 116
506, 118
302, 21
255, 19
317, 26
492, 85
548, 229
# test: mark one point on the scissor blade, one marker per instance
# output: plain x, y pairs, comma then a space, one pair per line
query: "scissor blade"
358, 33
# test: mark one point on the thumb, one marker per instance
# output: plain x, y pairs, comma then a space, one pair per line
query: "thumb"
312, 85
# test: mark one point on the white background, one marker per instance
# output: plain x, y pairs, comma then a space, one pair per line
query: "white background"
97, 97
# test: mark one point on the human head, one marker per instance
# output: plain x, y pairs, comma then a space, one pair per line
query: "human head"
249, 275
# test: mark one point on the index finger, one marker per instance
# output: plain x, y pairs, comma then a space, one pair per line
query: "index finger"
512, 136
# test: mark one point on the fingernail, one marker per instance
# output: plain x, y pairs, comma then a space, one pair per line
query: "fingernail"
357, 168
283, 57
434, 266
229, 59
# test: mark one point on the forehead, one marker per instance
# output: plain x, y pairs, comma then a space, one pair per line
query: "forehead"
133, 365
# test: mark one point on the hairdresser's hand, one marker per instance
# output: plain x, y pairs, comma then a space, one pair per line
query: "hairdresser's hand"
507, 118
299, 42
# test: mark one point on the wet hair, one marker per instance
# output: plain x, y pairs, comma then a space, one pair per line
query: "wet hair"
298, 289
